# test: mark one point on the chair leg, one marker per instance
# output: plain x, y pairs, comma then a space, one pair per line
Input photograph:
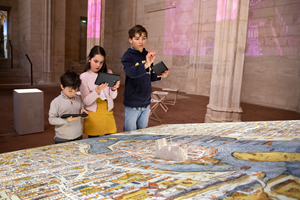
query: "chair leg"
156, 118
175, 100
162, 104
152, 110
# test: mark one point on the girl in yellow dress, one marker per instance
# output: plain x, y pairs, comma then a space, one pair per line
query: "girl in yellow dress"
98, 99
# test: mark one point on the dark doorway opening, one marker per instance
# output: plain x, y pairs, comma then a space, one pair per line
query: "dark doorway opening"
3, 34
83, 39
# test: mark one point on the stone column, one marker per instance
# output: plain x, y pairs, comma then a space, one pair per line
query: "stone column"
228, 61
95, 30
47, 42
195, 58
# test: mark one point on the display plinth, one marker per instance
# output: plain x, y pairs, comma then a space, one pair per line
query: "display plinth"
28, 111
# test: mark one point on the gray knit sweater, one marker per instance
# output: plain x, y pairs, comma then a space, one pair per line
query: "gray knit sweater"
63, 105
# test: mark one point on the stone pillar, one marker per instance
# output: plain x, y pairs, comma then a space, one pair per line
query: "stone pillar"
228, 61
95, 24
47, 42
195, 58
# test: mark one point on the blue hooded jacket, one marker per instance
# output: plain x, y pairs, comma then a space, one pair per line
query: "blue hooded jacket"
138, 79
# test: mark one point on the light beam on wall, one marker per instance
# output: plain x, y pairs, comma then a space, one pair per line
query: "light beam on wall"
269, 36
224, 5
178, 27
94, 16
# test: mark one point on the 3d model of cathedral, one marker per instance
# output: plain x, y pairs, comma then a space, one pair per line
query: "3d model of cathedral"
169, 151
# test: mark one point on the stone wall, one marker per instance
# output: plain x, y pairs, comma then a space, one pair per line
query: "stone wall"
24, 20
58, 37
34, 25
272, 64
116, 36
75, 10
182, 33
171, 33
34, 44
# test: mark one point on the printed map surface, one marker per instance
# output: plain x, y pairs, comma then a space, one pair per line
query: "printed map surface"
254, 160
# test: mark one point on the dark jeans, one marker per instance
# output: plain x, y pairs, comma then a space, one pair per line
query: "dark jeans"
59, 140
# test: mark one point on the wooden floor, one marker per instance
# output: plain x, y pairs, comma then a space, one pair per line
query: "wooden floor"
189, 109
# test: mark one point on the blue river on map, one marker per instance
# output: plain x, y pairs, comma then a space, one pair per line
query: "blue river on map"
225, 146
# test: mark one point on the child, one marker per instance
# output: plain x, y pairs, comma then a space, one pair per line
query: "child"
137, 63
98, 99
67, 102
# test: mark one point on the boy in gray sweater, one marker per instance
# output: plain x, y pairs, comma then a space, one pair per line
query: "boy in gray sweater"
68, 129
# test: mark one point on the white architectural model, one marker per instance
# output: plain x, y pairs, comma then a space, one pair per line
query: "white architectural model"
170, 152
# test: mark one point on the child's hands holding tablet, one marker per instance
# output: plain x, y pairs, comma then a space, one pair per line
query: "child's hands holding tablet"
116, 86
72, 117
101, 87
164, 74
161, 69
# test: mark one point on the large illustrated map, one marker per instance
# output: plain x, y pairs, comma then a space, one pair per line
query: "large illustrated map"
254, 160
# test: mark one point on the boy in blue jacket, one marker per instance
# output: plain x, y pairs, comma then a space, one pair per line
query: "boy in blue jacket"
137, 63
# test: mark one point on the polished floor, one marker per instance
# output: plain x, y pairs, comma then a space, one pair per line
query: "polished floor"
189, 109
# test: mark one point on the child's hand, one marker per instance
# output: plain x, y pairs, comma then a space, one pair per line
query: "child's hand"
84, 111
116, 86
69, 119
101, 87
150, 57
164, 74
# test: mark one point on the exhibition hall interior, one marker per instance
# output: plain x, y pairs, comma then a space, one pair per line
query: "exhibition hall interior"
230, 103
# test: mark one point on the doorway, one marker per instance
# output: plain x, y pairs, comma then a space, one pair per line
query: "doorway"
3, 34
83, 39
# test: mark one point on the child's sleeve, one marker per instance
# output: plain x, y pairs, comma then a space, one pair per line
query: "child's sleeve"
113, 94
131, 69
54, 118
82, 105
87, 96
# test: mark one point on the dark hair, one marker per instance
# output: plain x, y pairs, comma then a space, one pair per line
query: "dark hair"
70, 79
137, 29
96, 50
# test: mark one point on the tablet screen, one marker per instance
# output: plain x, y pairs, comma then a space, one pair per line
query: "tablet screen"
159, 68
111, 79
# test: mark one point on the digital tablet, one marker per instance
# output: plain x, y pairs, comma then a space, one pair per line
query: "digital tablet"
111, 79
74, 115
159, 68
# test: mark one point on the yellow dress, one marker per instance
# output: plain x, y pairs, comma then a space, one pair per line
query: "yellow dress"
100, 122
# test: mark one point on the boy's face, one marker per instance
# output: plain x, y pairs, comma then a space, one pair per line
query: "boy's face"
96, 63
139, 41
69, 92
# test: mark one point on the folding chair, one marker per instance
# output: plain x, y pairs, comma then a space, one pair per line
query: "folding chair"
153, 108
174, 101
159, 95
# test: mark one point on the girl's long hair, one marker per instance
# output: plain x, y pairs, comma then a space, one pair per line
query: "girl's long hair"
96, 50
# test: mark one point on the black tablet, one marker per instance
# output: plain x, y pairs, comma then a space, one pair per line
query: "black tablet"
74, 115
111, 79
159, 68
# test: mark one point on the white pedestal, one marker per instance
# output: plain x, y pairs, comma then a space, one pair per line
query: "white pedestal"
28, 111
